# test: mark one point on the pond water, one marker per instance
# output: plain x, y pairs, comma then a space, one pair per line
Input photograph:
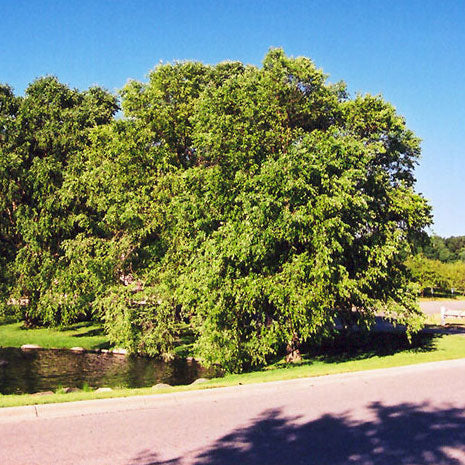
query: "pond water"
29, 371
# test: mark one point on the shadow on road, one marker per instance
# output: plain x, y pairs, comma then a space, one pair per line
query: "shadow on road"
401, 434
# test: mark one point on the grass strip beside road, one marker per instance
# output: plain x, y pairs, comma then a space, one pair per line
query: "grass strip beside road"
443, 347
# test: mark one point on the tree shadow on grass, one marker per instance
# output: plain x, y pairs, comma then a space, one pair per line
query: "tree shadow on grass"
7, 320
393, 435
360, 346
353, 346
91, 332
102, 345
449, 328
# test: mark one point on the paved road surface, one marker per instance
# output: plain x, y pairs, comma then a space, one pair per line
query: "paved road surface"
435, 306
400, 416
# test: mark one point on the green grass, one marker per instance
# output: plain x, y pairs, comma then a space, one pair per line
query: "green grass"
428, 348
87, 335
434, 321
442, 298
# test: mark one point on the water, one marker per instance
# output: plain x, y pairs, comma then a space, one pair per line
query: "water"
47, 370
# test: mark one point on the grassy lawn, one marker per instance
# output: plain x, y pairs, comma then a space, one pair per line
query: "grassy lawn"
386, 352
86, 335
442, 298
434, 321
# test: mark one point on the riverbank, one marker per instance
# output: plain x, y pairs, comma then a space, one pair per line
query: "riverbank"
432, 347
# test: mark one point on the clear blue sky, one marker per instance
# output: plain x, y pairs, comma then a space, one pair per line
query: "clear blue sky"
410, 51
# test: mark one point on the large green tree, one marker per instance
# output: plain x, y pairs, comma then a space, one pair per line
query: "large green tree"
9, 105
44, 134
268, 206
252, 208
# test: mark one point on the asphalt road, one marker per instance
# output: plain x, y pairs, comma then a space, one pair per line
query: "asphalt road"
434, 306
410, 415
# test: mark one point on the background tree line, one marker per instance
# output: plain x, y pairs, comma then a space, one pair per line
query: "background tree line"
439, 265
245, 207
447, 250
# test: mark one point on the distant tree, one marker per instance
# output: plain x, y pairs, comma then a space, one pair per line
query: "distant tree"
445, 249
436, 275
456, 244
429, 274
456, 274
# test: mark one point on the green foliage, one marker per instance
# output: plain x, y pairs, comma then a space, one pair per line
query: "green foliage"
436, 275
254, 206
439, 265
446, 250
44, 134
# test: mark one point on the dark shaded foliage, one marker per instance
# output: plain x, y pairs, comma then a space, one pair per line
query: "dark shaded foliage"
445, 249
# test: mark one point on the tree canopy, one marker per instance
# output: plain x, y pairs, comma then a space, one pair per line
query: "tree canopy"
439, 264
43, 136
434, 275
252, 207
447, 250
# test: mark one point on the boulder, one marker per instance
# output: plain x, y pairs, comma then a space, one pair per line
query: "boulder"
77, 349
104, 389
161, 386
30, 346
67, 390
119, 351
200, 381
43, 393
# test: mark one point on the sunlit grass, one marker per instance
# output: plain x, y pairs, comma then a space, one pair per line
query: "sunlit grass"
86, 335
456, 297
436, 322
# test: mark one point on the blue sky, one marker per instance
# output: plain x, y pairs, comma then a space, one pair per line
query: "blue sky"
412, 52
